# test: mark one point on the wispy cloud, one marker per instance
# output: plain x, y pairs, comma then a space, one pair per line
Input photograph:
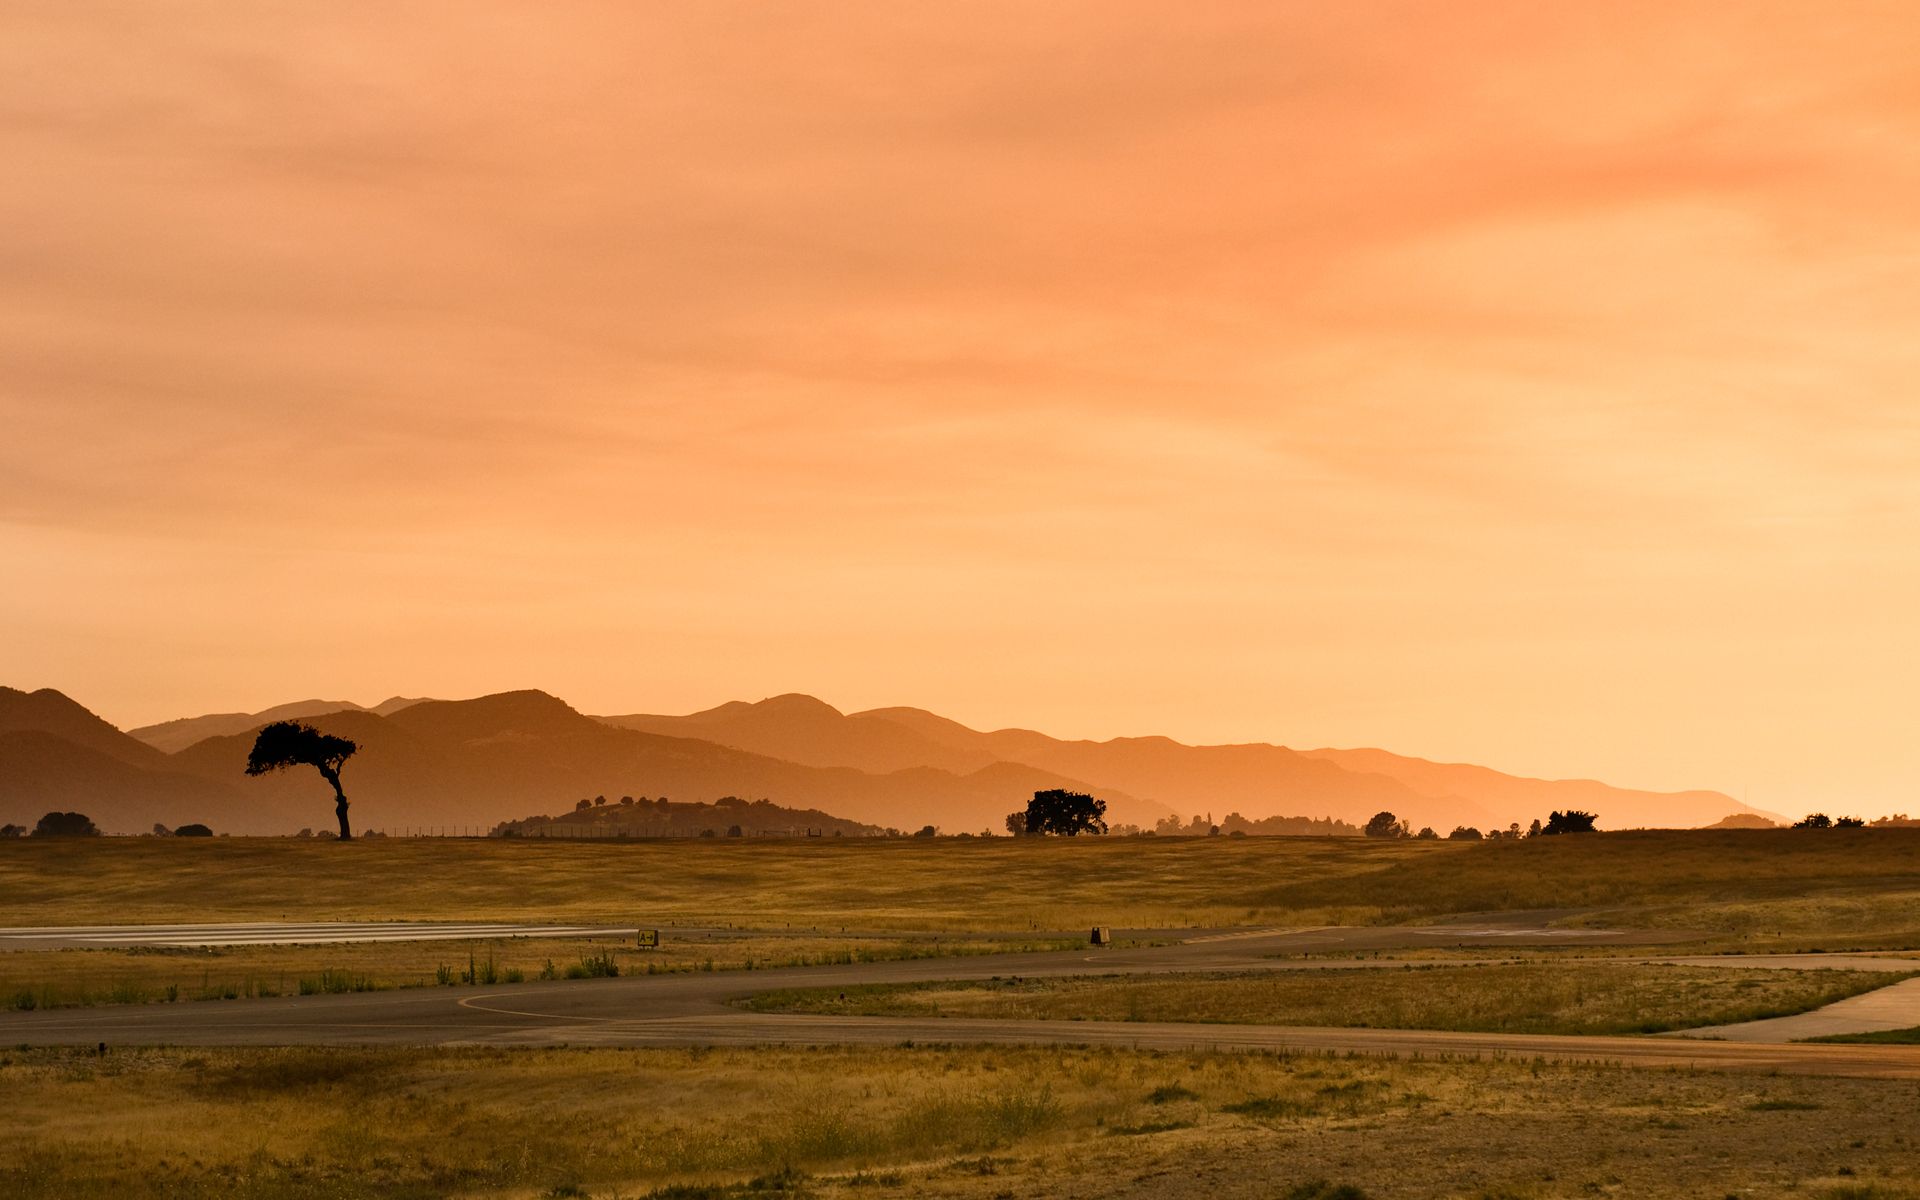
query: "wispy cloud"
1500, 380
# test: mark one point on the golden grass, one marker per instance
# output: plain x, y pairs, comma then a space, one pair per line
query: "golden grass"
969, 1124
981, 884
1772, 888
1529, 997
141, 975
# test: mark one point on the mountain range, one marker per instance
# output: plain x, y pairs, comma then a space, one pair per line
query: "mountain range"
178, 734
474, 763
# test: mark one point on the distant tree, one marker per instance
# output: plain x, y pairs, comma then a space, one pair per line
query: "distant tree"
1385, 825
304, 833
1534, 830
599, 801
65, 824
1017, 823
927, 831
733, 831
12, 831
1848, 823
626, 802
1814, 821
1427, 834
707, 833
292, 744
582, 805
195, 830
1065, 813
1464, 833
160, 830
1571, 821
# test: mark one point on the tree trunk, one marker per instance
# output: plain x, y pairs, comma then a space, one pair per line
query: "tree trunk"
340, 806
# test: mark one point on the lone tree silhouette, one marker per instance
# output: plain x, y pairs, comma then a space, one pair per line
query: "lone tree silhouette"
1385, 825
1069, 814
292, 744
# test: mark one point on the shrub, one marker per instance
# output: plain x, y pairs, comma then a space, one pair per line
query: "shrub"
65, 824
594, 966
1571, 821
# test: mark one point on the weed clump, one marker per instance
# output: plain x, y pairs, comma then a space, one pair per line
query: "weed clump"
593, 966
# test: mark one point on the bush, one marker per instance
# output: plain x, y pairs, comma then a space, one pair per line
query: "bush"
65, 824
195, 830
594, 966
1571, 821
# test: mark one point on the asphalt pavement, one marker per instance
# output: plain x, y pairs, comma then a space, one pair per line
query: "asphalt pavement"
695, 1008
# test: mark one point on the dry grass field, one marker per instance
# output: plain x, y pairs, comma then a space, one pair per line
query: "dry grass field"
1527, 997
929, 1122
971, 1124
117, 975
1784, 889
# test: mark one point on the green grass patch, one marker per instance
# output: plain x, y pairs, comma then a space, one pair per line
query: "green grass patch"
1880, 1037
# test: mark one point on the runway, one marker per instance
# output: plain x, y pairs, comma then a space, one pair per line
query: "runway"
264, 933
693, 1009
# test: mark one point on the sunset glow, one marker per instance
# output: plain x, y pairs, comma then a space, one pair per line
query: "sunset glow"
1525, 384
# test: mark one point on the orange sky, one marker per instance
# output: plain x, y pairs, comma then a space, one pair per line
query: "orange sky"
1525, 383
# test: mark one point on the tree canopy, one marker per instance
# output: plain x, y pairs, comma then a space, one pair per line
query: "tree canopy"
65, 824
1571, 821
1066, 813
293, 743
1385, 825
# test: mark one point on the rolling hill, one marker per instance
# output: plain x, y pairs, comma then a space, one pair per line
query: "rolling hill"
41, 772
51, 712
474, 763
176, 735
1257, 780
